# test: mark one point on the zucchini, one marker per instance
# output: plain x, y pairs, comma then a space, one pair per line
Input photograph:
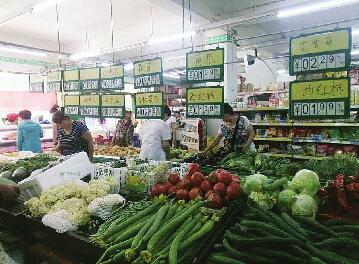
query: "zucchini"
143, 231
205, 229
315, 225
222, 258
171, 213
273, 240
129, 232
115, 248
339, 242
294, 224
156, 225
261, 214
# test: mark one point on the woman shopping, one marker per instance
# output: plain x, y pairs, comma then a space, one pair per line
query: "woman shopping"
123, 136
29, 133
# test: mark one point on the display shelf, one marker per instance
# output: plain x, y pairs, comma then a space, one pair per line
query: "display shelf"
325, 141
279, 139
304, 157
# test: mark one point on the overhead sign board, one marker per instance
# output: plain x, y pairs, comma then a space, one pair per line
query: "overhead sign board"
89, 79
320, 99
205, 66
90, 105
320, 52
53, 82
36, 83
148, 73
71, 104
149, 105
112, 78
112, 105
71, 80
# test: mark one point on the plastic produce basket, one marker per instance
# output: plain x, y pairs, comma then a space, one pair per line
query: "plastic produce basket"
102, 171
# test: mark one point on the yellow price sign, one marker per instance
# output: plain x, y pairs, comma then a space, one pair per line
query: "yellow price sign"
321, 42
36, 78
90, 100
90, 74
206, 58
148, 66
113, 100
205, 95
112, 72
149, 99
54, 77
320, 89
72, 75
71, 100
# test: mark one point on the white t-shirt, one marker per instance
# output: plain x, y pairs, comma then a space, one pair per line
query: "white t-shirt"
152, 133
169, 122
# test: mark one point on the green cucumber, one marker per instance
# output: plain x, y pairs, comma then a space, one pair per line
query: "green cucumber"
221, 258
273, 240
113, 249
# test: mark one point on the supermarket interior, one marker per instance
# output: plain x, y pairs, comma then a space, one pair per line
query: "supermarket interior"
179, 131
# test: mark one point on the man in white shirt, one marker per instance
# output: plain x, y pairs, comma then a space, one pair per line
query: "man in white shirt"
171, 123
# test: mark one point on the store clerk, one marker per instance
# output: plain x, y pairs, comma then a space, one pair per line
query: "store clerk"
237, 132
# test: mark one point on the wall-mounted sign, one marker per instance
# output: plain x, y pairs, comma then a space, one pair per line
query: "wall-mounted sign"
205, 66
320, 52
71, 104
89, 79
53, 82
148, 73
36, 84
204, 102
320, 99
218, 39
112, 105
112, 78
90, 105
149, 105
71, 80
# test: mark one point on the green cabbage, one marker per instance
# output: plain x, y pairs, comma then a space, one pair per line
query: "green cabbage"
286, 200
254, 183
304, 205
264, 201
306, 182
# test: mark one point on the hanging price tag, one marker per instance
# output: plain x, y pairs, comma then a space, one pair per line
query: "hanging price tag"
149, 105
71, 80
53, 82
112, 78
112, 105
71, 103
90, 105
148, 73
36, 83
89, 79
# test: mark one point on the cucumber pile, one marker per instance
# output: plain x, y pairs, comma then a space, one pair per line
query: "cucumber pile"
266, 237
162, 232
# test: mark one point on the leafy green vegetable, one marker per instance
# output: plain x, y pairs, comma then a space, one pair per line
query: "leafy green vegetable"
304, 205
286, 199
254, 183
306, 181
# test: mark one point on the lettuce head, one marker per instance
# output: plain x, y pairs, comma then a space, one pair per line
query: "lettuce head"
306, 182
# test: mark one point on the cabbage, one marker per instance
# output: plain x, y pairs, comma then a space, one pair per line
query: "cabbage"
304, 205
264, 201
254, 183
286, 200
306, 182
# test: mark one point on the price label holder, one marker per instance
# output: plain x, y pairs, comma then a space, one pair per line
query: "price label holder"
71, 81
71, 103
149, 105
112, 105
148, 73
89, 79
53, 82
320, 99
112, 78
90, 105
205, 102
205, 66
320, 52
36, 83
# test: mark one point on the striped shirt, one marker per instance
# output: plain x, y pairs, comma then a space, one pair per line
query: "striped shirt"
72, 143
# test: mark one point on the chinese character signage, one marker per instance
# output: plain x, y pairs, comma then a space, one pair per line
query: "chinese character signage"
320, 52
53, 82
112, 105
205, 66
112, 78
71, 103
148, 73
204, 102
149, 105
36, 83
90, 105
89, 79
71, 80
320, 99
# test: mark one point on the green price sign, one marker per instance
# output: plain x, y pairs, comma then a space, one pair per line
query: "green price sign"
71, 105
149, 105
204, 102
320, 99
320, 52
112, 78
71, 81
53, 82
89, 79
90, 105
36, 83
148, 73
205, 66
112, 105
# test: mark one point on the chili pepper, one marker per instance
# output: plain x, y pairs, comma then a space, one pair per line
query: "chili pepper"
341, 195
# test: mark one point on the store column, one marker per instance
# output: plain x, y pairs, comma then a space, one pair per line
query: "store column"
230, 72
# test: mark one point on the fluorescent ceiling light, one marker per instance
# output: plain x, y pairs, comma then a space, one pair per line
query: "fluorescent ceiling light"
306, 9
45, 4
355, 31
174, 76
171, 37
23, 51
355, 52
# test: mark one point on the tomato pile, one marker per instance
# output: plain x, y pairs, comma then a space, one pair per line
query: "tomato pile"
219, 187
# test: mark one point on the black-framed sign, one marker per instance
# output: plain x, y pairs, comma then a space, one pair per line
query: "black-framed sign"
90, 105
112, 105
89, 79
36, 83
205, 102
53, 81
71, 80
71, 104
148, 73
320, 99
205, 66
320, 52
112, 78
149, 105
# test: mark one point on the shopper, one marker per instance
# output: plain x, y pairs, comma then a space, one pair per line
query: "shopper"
8, 193
155, 137
123, 136
29, 133
73, 136
237, 132
53, 110
171, 123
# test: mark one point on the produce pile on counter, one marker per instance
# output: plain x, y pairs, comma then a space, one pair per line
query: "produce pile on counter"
117, 151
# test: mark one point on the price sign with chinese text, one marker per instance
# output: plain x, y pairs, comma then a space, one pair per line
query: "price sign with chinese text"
54, 82
204, 102
112, 78
149, 105
320, 99
320, 52
36, 83
71, 103
89, 79
148, 73
71, 81
90, 105
112, 105
205, 66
